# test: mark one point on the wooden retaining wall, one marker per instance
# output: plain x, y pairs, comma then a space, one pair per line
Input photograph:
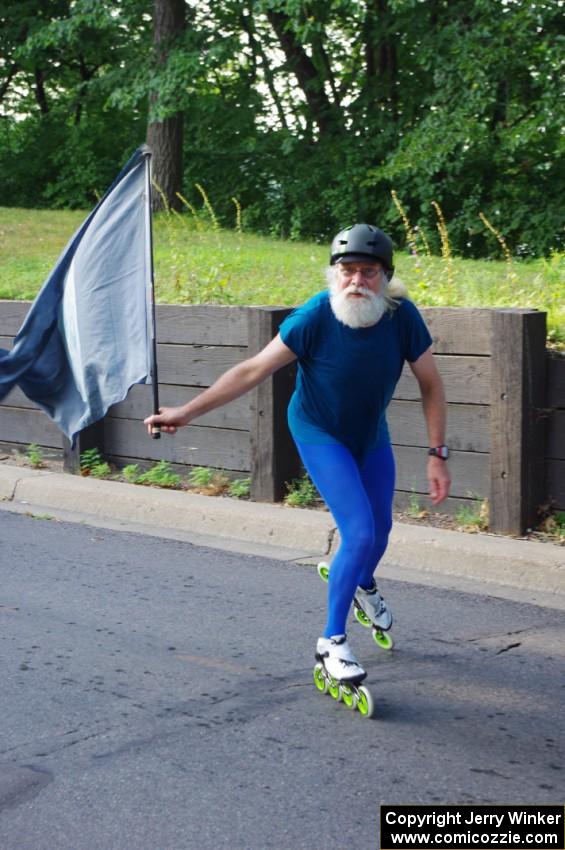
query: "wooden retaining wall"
462, 350
493, 363
195, 345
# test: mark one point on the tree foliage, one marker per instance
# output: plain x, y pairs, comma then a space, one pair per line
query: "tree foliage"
308, 112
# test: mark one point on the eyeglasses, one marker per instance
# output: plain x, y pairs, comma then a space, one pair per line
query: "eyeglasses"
367, 272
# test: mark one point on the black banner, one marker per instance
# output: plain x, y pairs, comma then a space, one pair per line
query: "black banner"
472, 827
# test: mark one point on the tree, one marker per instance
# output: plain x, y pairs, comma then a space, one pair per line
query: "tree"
165, 133
62, 62
308, 111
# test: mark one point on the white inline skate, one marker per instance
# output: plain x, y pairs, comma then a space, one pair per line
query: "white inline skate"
340, 674
370, 610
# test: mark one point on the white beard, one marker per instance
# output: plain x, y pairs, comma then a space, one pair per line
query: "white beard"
357, 312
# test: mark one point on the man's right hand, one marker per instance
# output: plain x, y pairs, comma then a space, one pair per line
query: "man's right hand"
169, 419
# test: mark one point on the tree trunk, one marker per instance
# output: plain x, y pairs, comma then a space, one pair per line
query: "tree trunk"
380, 56
309, 79
165, 137
40, 95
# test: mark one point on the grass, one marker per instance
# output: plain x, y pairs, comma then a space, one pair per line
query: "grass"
195, 262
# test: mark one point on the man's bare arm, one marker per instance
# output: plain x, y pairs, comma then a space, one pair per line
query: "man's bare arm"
435, 412
232, 384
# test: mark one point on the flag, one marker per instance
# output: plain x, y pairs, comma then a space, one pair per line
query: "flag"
87, 337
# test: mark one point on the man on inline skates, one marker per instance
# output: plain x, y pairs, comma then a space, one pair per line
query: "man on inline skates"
351, 342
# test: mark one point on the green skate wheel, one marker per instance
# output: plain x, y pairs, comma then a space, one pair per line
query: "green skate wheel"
319, 679
323, 570
362, 618
348, 696
382, 639
334, 690
365, 702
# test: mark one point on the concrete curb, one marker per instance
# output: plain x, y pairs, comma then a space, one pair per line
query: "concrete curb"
484, 558
304, 534
273, 525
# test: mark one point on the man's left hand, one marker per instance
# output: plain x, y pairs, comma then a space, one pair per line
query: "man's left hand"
439, 479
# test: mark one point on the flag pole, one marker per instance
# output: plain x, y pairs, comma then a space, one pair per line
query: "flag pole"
155, 429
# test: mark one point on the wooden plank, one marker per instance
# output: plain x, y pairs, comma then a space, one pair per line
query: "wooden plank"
48, 453
534, 377
194, 445
466, 380
469, 472
517, 428
458, 330
196, 365
556, 381
16, 398
467, 425
555, 487
555, 447
201, 324
6, 342
12, 315
28, 426
176, 323
274, 459
139, 404
506, 422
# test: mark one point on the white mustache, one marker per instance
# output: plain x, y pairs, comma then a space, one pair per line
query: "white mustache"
362, 290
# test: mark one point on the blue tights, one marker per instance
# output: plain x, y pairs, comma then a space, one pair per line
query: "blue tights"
359, 495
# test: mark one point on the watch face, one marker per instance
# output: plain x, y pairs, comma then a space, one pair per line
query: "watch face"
440, 451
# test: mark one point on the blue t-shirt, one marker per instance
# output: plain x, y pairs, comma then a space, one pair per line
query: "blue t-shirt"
346, 376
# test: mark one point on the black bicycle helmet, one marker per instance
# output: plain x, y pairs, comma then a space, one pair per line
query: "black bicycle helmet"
360, 243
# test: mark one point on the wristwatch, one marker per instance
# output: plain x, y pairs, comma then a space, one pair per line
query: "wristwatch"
440, 451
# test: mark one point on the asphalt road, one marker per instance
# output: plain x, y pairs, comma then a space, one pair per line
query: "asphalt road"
158, 696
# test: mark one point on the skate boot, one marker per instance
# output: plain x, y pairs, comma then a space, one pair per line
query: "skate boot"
371, 611
381, 622
339, 674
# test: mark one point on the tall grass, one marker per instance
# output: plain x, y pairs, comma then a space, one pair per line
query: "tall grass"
196, 261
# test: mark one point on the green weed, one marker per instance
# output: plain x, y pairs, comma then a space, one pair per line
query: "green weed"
101, 470
210, 481
473, 517
35, 456
92, 463
301, 492
200, 476
160, 475
414, 509
131, 473
559, 519
240, 488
